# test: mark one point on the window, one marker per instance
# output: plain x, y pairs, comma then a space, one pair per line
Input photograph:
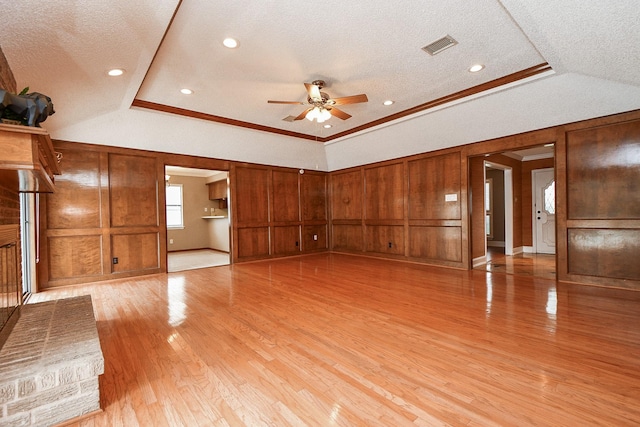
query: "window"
174, 206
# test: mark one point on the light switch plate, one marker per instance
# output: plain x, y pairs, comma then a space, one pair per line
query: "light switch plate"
450, 197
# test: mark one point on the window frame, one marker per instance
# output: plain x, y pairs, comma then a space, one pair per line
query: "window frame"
180, 206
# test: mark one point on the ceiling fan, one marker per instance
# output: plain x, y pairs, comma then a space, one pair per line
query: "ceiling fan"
322, 106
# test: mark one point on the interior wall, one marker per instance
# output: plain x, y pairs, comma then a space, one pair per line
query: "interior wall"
598, 168
408, 209
277, 212
196, 204
106, 198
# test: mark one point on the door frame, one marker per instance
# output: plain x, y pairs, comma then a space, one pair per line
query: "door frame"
508, 205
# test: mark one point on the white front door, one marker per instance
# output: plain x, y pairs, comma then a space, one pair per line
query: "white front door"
544, 211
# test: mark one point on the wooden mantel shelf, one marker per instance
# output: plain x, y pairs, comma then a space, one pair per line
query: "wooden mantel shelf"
27, 158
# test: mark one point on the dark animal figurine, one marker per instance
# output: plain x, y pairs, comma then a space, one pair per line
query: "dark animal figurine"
34, 108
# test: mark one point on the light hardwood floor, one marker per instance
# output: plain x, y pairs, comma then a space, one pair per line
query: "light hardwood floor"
522, 264
333, 339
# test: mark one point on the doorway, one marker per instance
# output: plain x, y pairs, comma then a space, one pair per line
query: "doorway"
197, 218
525, 251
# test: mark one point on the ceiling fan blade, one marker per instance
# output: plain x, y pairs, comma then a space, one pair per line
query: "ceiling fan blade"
313, 91
303, 114
354, 99
286, 102
339, 113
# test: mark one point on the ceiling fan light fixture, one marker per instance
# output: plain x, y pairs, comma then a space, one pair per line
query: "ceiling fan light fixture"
324, 115
313, 114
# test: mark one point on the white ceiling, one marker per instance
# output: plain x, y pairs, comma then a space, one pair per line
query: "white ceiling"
64, 48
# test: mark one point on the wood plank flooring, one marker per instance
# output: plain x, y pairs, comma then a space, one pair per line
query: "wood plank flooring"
522, 264
334, 339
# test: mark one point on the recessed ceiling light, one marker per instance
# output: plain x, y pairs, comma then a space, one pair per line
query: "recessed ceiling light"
186, 91
327, 126
475, 68
115, 72
387, 102
231, 43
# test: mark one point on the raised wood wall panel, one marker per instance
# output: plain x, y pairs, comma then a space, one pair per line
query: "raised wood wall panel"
346, 195
347, 237
603, 172
77, 201
384, 192
604, 253
385, 239
308, 241
251, 195
286, 196
436, 243
286, 240
133, 183
135, 252
597, 193
314, 196
72, 257
253, 242
430, 180
106, 201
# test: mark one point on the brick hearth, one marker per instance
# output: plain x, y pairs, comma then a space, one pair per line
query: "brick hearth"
50, 363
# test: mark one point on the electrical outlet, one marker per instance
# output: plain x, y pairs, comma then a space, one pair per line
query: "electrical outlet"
171, 241
389, 245
206, 210
315, 237
115, 260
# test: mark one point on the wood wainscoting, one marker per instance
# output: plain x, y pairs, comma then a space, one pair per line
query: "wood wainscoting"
336, 339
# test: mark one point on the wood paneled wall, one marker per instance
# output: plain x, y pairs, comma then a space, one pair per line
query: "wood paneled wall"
106, 206
420, 208
277, 212
406, 209
598, 184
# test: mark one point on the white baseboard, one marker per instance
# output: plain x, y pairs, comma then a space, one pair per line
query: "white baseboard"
479, 261
495, 243
518, 250
528, 249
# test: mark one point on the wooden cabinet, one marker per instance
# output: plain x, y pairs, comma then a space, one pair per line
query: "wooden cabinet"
28, 161
218, 190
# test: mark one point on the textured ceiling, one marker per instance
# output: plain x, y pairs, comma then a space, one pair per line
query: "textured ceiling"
64, 49
284, 44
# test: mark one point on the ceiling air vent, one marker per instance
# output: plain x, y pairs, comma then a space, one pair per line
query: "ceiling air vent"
440, 45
